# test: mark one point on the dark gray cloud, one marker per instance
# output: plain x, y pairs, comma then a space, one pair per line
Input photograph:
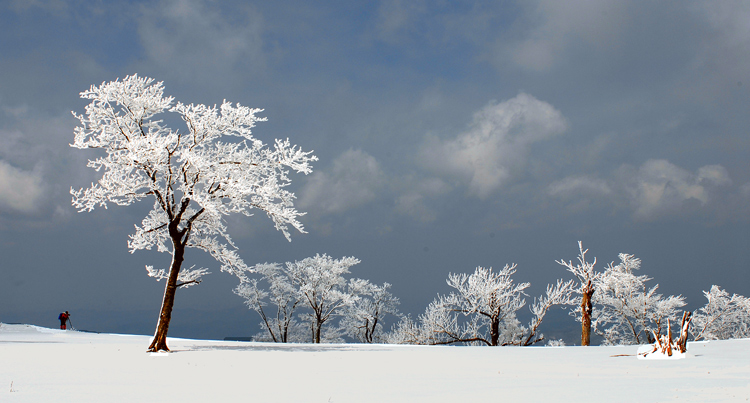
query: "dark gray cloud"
450, 135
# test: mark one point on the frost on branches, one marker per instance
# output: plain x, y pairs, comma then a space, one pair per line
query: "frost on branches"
321, 284
363, 320
482, 311
186, 278
723, 316
276, 306
314, 290
586, 275
627, 311
212, 168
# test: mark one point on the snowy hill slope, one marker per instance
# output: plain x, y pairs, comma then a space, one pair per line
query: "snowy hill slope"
46, 365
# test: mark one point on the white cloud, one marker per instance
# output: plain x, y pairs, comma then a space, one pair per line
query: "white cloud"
655, 190
714, 174
354, 179
660, 188
19, 190
496, 145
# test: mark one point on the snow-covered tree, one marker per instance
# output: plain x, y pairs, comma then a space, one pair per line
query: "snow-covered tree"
482, 311
406, 331
627, 311
195, 177
285, 297
490, 300
363, 320
723, 316
322, 287
315, 291
586, 275
440, 325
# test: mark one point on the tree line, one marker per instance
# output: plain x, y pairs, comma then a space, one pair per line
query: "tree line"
311, 300
215, 167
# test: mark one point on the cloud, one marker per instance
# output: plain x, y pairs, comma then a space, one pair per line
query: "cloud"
414, 201
52, 6
496, 145
661, 188
354, 179
713, 174
745, 190
580, 185
394, 17
655, 190
582, 194
553, 26
19, 190
16, 111
193, 38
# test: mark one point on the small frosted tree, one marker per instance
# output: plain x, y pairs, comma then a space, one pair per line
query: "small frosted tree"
489, 300
322, 287
482, 311
363, 319
281, 326
586, 275
560, 294
195, 177
723, 317
627, 311
406, 331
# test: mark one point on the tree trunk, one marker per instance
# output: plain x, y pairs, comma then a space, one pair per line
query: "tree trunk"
682, 342
371, 331
160, 337
318, 326
368, 335
586, 311
669, 338
494, 331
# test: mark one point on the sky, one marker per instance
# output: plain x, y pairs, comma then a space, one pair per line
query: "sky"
450, 135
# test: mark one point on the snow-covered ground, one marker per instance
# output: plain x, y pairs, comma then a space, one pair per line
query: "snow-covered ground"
48, 365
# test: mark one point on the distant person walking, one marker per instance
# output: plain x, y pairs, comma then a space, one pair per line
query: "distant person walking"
64, 320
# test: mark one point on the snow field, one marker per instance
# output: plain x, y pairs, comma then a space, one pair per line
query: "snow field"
47, 365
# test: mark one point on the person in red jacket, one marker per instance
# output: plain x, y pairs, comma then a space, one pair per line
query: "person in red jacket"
63, 319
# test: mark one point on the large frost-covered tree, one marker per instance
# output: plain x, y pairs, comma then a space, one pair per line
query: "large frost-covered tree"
212, 168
